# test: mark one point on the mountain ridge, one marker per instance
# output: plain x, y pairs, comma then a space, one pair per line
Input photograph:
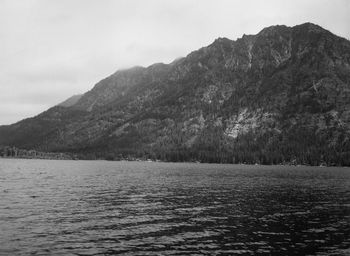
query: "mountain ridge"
251, 100
70, 101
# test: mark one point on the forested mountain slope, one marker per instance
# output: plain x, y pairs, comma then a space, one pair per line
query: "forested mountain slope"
282, 95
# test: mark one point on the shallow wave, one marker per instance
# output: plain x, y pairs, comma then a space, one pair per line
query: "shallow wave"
132, 208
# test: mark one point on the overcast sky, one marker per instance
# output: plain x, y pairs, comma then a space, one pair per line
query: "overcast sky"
52, 49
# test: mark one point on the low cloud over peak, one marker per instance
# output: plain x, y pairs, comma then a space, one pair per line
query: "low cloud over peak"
54, 49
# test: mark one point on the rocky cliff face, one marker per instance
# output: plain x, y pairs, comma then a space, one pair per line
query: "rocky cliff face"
282, 95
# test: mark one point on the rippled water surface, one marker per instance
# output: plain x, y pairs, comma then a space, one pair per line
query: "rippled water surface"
139, 208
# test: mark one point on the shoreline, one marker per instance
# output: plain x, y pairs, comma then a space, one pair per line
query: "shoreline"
185, 162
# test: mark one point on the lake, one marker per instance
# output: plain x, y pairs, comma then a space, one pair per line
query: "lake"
50, 207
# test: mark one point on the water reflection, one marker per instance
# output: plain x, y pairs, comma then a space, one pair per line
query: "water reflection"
92, 208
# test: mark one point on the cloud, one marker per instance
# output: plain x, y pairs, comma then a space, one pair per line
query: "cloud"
51, 50
14, 111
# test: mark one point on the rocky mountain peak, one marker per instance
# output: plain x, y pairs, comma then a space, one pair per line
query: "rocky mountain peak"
273, 30
310, 27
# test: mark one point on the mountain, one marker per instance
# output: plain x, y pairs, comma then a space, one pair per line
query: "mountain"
70, 101
280, 96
